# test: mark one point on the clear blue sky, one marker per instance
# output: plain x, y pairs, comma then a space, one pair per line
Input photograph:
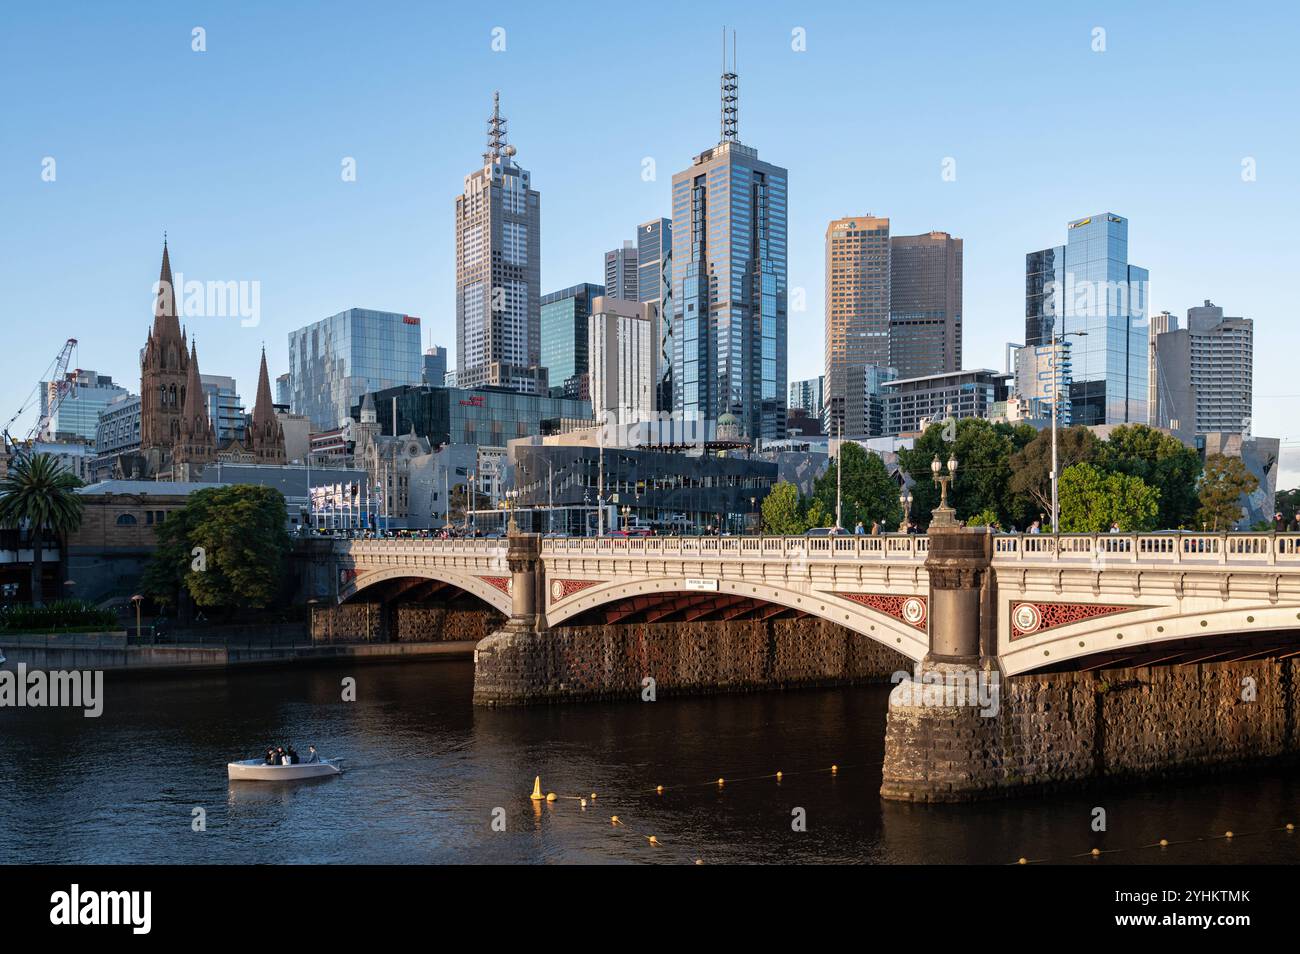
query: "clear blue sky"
236, 152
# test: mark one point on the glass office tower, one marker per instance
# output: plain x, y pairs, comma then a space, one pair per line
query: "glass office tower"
334, 361
729, 285
655, 287
564, 336
1088, 285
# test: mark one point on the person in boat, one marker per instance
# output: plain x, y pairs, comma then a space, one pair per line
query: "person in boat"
280, 757
312, 756
293, 755
270, 757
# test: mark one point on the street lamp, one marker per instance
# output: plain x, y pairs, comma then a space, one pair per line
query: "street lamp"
943, 515
905, 501
1056, 399
137, 600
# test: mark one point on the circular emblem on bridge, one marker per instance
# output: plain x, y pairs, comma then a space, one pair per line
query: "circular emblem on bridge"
557, 591
1027, 617
914, 611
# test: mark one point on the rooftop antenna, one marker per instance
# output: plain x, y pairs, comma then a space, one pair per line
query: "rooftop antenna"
496, 132
730, 85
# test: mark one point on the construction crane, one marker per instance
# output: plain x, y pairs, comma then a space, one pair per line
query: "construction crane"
64, 385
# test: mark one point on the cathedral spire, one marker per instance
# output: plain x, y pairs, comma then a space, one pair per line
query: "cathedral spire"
263, 412
165, 318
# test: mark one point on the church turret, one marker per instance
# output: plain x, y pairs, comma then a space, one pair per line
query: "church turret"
266, 434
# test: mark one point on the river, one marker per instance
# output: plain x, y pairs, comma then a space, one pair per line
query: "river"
427, 775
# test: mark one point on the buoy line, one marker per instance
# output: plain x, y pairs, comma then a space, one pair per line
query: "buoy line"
1228, 835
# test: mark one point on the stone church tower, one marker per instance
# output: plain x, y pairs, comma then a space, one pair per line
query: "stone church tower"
265, 433
164, 377
196, 444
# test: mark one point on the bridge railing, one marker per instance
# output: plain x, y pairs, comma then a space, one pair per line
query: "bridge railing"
1168, 547
414, 545
888, 547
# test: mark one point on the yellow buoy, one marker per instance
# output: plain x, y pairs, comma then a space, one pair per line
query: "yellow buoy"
721, 782
779, 776
1096, 852
699, 861
659, 789
593, 796
654, 840
1023, 861
550, 796
1290, 827
537, 789
1227, 834
1164, 843
834, 769
582, 802
613, 820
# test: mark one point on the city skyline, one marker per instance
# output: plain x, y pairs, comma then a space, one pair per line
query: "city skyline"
400, 259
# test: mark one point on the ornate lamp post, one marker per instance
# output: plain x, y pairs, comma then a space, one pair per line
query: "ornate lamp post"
943, 515
905, 501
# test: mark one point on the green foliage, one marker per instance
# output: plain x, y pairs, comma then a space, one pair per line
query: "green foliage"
817, 516
39, 493
1225, 481
1286, 502
1031, 467
225, 548
868, 492
985, 518
1162, 462
984, 451
1091, 500
58, 615
781, 511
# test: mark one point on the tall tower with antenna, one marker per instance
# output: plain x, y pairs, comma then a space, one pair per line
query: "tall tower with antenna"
729, 269
498, 271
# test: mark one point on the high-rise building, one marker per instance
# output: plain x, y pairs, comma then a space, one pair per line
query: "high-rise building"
1161, 322
284, 390
434, 366
87, 394
498, 271
654, 285
1088, 285
807, 395
857, 317
225, 408
564, 336
1040, 377
621, 272
622, 351
336, 360
925, 304
729, 283
914, 403
1205, 373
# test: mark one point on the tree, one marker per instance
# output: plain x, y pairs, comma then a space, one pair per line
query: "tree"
817, 515
41, 494
868, 493
781, 511
225, 548
1225, 481
1286, 502
983, 451
1163, 462
1091, 500
1031, 467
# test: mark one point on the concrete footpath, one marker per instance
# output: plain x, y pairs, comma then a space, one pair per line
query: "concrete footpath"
163, 658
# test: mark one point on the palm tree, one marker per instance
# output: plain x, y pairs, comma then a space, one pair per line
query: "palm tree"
39, 493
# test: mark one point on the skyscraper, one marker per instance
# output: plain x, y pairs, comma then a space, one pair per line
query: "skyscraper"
622, 350
564, 337
1205, 373
434, 366
925, 304
1088, 285
857, 317
78, 415
654, 285
498, 271
729, 283
621, 272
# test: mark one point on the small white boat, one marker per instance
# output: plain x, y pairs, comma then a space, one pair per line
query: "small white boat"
256, 770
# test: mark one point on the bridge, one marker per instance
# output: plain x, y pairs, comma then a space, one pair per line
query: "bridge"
1046, 602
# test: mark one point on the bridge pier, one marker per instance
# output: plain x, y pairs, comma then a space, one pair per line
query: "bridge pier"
510, 664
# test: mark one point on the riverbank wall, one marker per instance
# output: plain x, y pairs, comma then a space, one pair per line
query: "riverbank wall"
1059, 730
641, 660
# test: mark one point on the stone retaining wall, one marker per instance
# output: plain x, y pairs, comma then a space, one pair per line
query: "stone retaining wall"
515, 667
405, 622
1061, 729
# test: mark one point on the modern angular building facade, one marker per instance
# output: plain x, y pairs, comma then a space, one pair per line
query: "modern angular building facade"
654, 284
1205, 373
621, 272
1088, 285
925, 304
729, 284
78, 415
334, 361
498, 271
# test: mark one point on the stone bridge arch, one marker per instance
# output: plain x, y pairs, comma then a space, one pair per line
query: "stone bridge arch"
493, 589
574, 602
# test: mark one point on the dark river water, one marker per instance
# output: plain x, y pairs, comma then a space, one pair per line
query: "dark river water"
427, 772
